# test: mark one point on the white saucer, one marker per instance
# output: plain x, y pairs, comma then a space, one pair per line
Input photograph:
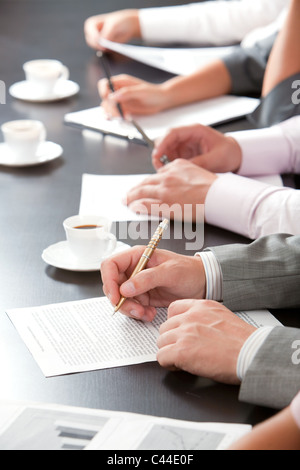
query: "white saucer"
60, 256
25, 91
46, 152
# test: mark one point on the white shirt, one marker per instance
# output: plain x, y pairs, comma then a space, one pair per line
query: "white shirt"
211, 23
252, 208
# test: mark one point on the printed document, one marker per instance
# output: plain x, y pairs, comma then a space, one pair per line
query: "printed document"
58, 427
84, 335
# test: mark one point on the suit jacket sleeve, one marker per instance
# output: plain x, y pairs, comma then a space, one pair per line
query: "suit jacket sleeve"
262, 275
273, 377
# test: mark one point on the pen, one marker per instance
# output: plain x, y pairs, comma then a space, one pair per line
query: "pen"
164, 159
148, 252
108, 76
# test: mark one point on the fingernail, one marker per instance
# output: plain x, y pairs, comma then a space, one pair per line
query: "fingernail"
128, 289
134, 314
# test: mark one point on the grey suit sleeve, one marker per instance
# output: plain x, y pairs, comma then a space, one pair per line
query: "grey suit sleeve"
263, 274
273, 377
246, 66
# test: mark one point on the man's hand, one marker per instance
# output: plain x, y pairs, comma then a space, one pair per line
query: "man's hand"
168, 277
204, 338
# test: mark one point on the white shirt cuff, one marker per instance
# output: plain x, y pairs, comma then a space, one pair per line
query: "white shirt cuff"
213, 273
250, 348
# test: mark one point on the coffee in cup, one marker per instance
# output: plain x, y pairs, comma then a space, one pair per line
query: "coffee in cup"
44, 74
89, 237
23, 138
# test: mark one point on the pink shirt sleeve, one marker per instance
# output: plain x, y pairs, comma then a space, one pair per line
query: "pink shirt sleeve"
271, 151
252, 208
295, 408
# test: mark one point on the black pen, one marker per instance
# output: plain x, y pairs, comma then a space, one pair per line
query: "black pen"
164, 159
108, 76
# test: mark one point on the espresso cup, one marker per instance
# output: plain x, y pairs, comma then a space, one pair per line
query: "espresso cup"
23, 138
89, 237
44, 74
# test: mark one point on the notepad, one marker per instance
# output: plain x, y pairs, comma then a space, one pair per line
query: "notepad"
84, 335
209, 112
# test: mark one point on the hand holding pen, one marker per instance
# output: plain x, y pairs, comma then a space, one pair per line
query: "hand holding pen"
164, 159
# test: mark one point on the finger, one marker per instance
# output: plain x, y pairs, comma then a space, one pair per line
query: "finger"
116, 270
166, 357
179, 307
145, 281
134, 309
167, 338
144, 191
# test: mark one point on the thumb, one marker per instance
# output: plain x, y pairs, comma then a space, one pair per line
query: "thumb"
144, 281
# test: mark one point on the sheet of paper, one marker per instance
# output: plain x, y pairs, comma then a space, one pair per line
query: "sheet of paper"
58, 427
209, 112
83, 335
103, 194
180, 61
96, 190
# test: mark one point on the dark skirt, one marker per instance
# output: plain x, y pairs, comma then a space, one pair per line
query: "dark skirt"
282, 103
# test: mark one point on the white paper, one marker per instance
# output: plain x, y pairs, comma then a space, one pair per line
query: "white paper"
58, 427
180, 61
209, 112
96, 190
103, 195
83, 335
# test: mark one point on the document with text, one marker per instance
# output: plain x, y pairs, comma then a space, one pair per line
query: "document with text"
58, 427
84, 335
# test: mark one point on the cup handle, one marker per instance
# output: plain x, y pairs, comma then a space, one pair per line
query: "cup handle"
112, 243
65, 73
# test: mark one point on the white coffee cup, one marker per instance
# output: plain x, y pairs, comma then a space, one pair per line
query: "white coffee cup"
23, 138
44, 74
89, 237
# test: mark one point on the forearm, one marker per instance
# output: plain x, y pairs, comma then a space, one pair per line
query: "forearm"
277, 433
284, 59
251, 274
209, 82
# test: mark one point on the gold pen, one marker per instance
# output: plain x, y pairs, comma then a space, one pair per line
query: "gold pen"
146, 255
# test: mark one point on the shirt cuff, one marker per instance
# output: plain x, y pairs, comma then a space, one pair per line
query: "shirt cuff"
214, 277
295, 409
264, 152
250, 348
231, 202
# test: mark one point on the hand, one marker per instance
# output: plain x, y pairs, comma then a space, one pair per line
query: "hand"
202, 145
168, 277
119, 26
174, 192
204, 338
135, 95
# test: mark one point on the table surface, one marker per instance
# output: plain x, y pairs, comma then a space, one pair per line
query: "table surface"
34, 202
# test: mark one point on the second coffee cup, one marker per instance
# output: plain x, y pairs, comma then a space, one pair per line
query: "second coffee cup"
89, 237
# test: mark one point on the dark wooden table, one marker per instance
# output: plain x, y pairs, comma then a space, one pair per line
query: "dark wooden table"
34, 202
